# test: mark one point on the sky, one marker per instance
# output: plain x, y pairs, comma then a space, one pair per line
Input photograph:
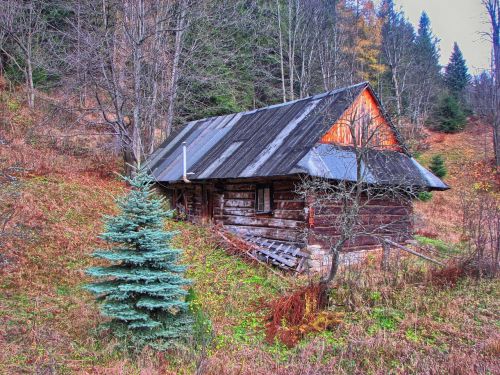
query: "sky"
460, 21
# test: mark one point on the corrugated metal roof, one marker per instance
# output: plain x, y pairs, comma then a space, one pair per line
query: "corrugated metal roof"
279, 140
379, 167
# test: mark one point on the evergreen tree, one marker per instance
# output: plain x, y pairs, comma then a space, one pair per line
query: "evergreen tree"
142, 290
449, 116
456, 75
437, 166
427, 73
427, 45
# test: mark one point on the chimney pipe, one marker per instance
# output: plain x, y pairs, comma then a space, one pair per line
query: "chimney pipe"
184, 163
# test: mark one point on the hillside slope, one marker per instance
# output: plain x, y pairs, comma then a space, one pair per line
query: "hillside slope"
48, 323
468, 158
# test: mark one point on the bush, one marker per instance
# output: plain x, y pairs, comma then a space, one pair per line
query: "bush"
437, 166
449, 116
424, 196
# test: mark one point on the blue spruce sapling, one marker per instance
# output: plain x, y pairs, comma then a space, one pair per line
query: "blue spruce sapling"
143, 289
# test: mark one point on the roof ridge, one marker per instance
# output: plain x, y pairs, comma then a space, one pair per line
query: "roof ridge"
310, 97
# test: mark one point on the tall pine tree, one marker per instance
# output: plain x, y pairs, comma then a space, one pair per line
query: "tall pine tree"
456, 75
143, 289
427, 73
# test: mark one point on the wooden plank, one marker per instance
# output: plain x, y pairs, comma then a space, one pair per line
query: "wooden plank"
284, 185
239, 203
280, 247
392, 243
286, 195
261, 221
239, 187
298, 215
281, 259
239, 195
287, 205
286, 235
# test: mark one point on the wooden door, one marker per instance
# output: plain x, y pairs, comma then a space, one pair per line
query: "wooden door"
207, 203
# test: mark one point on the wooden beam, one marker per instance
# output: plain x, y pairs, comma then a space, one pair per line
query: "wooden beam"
412, 252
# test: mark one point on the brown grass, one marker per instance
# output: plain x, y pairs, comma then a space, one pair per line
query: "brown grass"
392, 323
468, 156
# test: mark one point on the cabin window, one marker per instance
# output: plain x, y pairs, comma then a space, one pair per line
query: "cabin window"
263, 202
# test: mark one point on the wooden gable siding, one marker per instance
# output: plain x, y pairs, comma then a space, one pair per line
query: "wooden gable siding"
364, 112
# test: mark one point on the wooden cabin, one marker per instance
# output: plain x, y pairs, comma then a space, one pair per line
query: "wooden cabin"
241, 171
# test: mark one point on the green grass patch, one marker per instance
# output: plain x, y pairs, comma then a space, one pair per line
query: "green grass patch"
385, 319
443, 247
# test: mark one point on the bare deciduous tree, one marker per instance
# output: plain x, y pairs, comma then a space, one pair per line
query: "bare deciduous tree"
128, 57
23, 25
493, 9
481, 229
397, 44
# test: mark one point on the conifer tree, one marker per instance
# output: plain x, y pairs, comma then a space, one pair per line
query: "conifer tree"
456, 75
437, 166
427, 46
449, 116
427, 72
143, 289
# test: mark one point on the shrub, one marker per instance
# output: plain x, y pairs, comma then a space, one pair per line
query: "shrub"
437, 166
424, 196
295, 315
143, 289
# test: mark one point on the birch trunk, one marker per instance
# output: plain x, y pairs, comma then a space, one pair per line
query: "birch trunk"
172, 91
282, 65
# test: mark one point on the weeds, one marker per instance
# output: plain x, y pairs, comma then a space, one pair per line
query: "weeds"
48, 323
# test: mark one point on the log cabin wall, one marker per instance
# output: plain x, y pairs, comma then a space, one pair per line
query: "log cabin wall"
389, 218
234, 207
232, 204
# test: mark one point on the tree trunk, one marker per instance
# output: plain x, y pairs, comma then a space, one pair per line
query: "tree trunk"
397, 92
334, 267
172, 92
281, 53
130, 165
29, 80
496, 138
495, 23
385, 256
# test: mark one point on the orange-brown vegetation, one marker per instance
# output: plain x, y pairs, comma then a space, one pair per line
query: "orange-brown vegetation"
300, 313
376, 322
469, 159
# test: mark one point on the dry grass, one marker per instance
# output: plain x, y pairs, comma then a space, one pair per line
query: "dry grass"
48, 323
468, 157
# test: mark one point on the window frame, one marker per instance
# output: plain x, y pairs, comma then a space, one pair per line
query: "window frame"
271, 203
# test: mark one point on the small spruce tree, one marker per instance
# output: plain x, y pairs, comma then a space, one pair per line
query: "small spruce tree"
449, 116
143, 289
437, 166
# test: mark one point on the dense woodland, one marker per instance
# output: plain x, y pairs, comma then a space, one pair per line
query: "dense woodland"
141, 69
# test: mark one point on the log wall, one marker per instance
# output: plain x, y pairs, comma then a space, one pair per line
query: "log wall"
234, 207
291, 220
391, 219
